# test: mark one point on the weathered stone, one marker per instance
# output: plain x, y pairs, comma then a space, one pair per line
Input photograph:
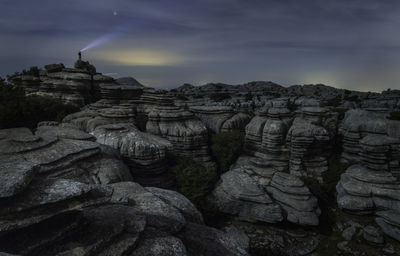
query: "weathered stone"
373, 235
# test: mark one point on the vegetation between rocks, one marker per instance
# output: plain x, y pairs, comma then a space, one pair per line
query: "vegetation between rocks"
394, 115
19, 110
226, 148
220, 96
194, 180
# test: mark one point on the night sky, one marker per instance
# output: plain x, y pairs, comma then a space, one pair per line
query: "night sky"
353, 44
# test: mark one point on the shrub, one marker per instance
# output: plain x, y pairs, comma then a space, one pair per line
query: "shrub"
352, 98
340, 111
182, 97
394, 115
292, 106
198, 96
194, 180
220, 96
335, 102
249, 96
226, 148
141, 121
18, 110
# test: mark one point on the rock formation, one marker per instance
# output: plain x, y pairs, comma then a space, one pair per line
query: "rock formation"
221, 118
259, 187
144, 153
372, 184
59, 198
251, 195
187, 134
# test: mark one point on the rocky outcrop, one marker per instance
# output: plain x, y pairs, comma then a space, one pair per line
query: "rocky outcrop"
265, 185
145, 154
254, 196
372, 184
56, 157
79, 86
221, 118
291, 144
308, 138
73, 86
49, 207
187, 134
124, 90
358, 124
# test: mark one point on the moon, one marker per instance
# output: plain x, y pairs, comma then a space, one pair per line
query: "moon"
115, 13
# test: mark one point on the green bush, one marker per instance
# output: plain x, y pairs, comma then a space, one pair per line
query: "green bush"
193, 179
18, 110
226, 148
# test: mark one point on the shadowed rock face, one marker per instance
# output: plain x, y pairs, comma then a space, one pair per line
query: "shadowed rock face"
144, 153
372, 184
187, 134
291, 142
221, 118
73, 86
281, 146
245, 191
61, 204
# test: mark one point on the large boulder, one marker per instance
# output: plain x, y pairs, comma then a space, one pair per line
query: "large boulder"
54, 203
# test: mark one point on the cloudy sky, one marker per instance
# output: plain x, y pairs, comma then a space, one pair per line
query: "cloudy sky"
352, 44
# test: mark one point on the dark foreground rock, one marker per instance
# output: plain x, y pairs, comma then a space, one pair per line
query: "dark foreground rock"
56, 200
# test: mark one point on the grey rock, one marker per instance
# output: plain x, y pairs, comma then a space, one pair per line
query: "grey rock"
373, 235
161, 246
180, 202
202, 240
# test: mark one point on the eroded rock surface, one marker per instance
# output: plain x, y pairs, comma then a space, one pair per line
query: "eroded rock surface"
52, 205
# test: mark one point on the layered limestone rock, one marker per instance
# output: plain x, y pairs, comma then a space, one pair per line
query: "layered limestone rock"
73, 86
49, 209
152, 99
221, 118
372, 186
256, 195
79, 85
117, 92
101, 113
187, 134
308, 138
291, 144
359, 123
265, 185
266, 136
145, 154
56, 157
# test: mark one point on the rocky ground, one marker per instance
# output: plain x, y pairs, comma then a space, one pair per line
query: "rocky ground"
319, 172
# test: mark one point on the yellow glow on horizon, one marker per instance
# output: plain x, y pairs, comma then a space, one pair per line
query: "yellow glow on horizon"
144, 57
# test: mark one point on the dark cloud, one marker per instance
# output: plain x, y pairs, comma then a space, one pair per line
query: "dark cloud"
345, 43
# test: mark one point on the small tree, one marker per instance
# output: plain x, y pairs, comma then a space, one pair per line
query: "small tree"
249, 96
194, 180
226, 148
